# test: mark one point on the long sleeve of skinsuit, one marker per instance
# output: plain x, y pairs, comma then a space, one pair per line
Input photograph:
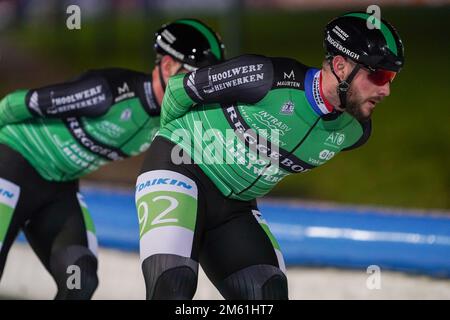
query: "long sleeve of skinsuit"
245, 79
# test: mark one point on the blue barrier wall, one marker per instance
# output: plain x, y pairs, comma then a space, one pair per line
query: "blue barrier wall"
311, 235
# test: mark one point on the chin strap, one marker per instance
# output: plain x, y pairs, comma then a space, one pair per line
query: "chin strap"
344, 85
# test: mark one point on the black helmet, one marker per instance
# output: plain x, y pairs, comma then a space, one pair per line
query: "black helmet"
350, 36
190, 42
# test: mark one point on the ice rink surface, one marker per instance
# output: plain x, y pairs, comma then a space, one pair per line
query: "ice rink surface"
121, 278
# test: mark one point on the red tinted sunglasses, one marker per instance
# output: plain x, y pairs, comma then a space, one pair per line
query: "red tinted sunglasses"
380, 77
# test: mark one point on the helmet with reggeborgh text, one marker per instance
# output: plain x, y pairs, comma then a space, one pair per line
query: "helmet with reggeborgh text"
371, 42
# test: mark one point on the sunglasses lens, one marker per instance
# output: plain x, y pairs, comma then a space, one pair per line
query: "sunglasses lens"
381, 77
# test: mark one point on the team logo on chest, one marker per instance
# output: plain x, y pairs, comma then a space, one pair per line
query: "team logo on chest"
287, 108
126, 115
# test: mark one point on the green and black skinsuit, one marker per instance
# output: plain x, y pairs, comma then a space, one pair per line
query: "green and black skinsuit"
50, 137
229, 133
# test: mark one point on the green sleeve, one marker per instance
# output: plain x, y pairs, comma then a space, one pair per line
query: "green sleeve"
176, 101
13, 108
